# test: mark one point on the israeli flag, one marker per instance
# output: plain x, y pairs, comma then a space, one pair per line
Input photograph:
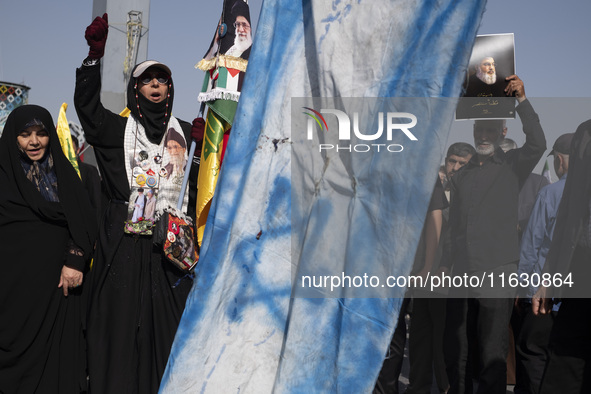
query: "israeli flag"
282, 211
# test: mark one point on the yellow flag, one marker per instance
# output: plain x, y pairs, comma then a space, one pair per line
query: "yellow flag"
209, 168
63, 132
125, 113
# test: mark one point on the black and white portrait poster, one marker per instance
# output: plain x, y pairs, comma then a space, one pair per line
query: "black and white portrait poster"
492, 60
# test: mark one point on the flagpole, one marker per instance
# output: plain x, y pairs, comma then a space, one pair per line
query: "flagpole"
179, 204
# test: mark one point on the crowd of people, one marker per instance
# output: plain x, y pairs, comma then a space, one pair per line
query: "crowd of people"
493, 217
110, 329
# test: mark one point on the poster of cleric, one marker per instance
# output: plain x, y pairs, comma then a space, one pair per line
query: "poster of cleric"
491, 62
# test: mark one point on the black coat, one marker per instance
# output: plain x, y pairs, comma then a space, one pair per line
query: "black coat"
138, 297
573, 212
41, 348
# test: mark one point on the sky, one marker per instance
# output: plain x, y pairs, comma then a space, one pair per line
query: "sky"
42, 43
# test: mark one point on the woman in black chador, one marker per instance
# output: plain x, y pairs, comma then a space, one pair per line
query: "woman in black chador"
47, 231
138, 296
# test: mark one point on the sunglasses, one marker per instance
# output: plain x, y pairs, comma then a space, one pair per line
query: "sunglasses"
162, 79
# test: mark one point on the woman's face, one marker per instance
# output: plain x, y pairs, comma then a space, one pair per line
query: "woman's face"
153, 85
33, 141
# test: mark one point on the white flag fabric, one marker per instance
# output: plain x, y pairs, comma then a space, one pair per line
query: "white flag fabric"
246, 327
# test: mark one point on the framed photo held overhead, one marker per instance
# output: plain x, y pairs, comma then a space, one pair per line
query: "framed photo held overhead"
492, 60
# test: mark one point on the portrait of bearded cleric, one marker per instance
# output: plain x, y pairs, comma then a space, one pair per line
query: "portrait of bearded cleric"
492, 60
233, 36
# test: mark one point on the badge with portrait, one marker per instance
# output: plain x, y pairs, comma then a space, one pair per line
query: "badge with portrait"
174, 230
141, 210
179, 245
492, 60
144, 193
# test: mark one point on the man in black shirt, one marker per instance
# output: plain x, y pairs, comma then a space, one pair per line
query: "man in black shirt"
483, 221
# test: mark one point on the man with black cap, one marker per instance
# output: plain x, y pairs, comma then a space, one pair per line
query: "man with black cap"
137, 296
532, 332
484, 244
